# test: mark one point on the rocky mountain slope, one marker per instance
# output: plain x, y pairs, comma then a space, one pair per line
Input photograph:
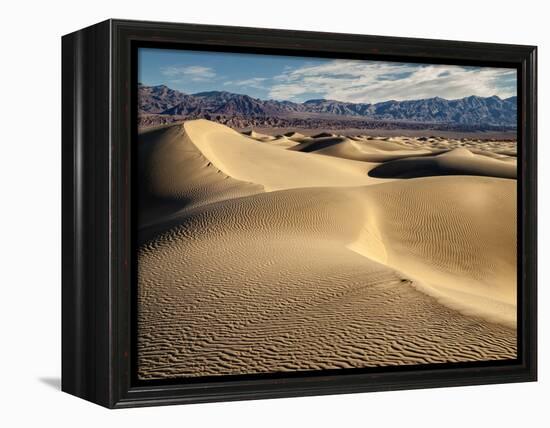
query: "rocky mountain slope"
469, 111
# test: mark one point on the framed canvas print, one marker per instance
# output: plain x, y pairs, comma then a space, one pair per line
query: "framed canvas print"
253, 213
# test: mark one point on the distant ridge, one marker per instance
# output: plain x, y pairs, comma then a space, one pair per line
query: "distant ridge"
470, 111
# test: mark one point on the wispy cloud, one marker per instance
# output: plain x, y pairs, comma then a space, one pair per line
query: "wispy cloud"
371, 81
194, 73
253, 82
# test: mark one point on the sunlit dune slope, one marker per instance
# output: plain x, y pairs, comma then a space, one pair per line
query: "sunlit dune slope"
246, 160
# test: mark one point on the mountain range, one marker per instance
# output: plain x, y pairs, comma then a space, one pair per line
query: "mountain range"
470, 111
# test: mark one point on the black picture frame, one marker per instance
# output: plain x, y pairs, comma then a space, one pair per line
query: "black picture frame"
98, 127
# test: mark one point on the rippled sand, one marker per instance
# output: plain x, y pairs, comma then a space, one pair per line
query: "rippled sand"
267, 253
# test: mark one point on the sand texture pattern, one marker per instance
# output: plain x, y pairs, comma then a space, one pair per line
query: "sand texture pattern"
257, 256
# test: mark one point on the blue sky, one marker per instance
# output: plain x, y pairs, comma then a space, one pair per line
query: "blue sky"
300, 78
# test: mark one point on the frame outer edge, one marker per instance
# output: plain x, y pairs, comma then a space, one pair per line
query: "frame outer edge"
86, 332
108, 367
69, 325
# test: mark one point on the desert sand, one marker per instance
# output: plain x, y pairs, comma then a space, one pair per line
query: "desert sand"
273, 253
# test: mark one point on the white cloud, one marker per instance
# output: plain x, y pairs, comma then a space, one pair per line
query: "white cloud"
370, 81
288, 91
254, 82
195, 73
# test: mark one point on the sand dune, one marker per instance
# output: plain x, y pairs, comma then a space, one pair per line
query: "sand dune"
455, 236
459, 161
258, 136
173, 175
385, 144
270, 167
266, 259
319, 143
369, 152
296, 136
283, 142
324, 134
360, 148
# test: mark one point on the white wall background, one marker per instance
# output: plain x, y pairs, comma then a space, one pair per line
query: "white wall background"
31, 211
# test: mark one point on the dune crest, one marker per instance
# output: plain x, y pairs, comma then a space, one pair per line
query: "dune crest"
243, 159
455, 236
460, 161
174, 175
258, 136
